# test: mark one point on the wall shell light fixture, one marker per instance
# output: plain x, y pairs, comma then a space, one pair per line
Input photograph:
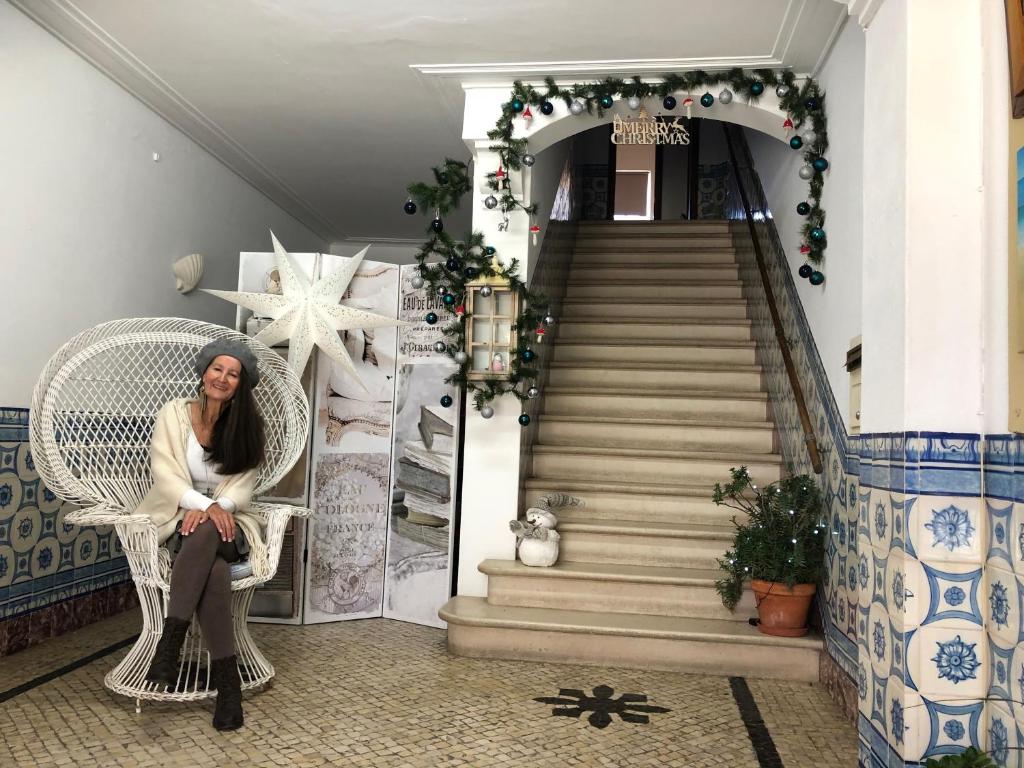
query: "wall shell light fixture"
188, 270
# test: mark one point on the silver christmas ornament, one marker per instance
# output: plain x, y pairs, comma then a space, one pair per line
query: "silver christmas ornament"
442, 290
576, 108
486, 291
725, 97
633, 102
782, 91
528, 160
806, 172
491, 202
461, 357
487, 411
440, 346
549, 320
417, 282
809, 137
532, 392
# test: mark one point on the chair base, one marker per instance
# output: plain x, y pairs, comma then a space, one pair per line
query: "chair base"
193, 682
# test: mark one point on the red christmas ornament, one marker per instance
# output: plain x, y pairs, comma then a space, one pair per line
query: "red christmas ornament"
788, 125
688, 103
534, 229
527, 114
541, 333
460, 310
805, 249
500, 174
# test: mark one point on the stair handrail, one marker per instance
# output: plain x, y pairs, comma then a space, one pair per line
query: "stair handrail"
810, 441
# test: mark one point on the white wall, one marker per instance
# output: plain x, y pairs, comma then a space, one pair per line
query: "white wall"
834, 309
389, 253
90, 224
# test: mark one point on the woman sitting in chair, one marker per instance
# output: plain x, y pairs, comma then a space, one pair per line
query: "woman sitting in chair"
205, 453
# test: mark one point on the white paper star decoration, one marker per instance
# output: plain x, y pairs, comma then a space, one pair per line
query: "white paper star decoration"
309, 313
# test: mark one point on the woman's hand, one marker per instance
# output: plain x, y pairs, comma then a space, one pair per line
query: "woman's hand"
224, 521
193, 519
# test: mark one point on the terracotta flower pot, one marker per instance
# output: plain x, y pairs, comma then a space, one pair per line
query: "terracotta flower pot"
782, 610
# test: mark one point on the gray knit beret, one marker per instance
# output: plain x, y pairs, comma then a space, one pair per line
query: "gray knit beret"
232, 348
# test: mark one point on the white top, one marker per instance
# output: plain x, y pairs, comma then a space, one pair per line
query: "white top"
204, 479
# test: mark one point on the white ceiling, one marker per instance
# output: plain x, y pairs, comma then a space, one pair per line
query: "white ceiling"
316, 103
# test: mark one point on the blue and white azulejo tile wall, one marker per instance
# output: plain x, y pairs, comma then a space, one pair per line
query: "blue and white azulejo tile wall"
44, 562
923, 594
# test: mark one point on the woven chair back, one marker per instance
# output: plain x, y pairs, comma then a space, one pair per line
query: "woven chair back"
96, 400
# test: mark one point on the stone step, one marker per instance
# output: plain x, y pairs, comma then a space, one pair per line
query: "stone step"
666, 238
654, 228
657, 376
632, 501
626, 542
637, 256
624, 351
730, 329
711, 406
641, 290
612, 588
644, 271
649, 466
705, 646
665, 309
667, 434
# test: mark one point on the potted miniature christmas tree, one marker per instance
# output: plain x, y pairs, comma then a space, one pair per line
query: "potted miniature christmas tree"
779, 547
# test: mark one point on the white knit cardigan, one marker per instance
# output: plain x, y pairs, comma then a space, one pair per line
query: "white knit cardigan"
171, 478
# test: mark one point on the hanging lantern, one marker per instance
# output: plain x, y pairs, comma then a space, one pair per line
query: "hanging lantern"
492, 309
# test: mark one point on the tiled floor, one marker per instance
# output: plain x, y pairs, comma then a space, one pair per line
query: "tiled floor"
383, 693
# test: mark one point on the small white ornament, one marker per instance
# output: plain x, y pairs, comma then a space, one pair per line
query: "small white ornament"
633, 102
187, 272
806, 172
577, 107
809, 137
725, 97
486, 412
417, 282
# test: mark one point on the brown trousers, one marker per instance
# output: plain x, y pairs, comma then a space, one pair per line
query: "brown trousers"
201, 584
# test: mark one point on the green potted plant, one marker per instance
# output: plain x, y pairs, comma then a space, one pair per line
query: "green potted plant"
969, 758
779, 546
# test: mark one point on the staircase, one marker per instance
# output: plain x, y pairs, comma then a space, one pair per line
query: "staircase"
654, 394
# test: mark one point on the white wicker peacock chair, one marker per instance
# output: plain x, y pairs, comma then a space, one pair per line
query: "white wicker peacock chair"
92, 418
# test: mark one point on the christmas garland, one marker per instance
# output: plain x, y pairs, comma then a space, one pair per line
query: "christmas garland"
804, 104
446, 266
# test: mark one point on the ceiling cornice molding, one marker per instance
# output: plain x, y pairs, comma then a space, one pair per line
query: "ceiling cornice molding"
504, 72
864, 10
80, 33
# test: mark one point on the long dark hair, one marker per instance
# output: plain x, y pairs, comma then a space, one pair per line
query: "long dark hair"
238, 437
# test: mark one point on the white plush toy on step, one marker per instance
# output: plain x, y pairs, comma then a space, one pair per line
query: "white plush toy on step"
537, 537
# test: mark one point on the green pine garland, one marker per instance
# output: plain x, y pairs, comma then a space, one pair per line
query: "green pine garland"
805, 104
447, 265
463, 261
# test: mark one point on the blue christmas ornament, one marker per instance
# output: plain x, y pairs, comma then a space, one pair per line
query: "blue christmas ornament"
431, 318
446, 401
805, 271
409, 207
489, 250
524, 419
528, 355
707, 100
546, 107
606, 102
517, 105
820, 164
803, 208
817, 234
669, 102
817, 278
757, 88
469, 272
796, 142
